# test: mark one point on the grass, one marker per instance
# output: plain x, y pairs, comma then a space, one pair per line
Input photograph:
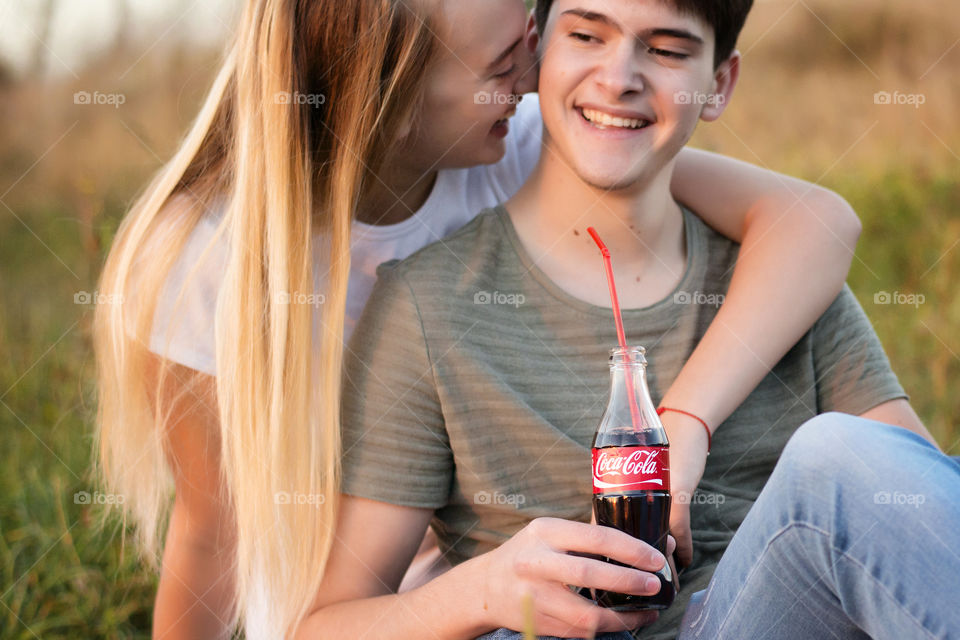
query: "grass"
805, 106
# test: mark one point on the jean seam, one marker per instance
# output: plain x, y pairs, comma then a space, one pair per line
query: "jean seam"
756, 567
804, 525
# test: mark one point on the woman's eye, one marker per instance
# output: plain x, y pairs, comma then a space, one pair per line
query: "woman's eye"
507, 73
664, 53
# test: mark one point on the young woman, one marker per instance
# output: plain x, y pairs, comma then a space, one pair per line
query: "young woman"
336, 136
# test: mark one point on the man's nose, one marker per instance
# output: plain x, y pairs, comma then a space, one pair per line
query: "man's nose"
620, 72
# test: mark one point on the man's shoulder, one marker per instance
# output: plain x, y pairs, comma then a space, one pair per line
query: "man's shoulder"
717, 252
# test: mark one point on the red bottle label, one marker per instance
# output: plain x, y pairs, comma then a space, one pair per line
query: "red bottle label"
631, 469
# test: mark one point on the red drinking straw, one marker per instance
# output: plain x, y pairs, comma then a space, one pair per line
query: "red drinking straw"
618, 319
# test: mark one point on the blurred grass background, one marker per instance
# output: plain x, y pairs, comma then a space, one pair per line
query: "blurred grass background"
805, 106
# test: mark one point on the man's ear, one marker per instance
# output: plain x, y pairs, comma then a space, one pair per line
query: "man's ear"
531, 39
528, 61
724, 81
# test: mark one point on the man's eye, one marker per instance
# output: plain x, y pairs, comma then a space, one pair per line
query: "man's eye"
664, 53
507, 73
583, 37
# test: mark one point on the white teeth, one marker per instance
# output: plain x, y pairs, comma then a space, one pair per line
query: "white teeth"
607, 120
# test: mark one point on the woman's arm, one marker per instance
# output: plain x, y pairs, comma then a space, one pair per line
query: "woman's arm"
797, 242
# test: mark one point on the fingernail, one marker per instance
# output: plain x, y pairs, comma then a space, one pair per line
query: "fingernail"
653, 584
658, 561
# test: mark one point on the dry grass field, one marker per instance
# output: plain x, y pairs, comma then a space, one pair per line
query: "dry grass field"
810, 103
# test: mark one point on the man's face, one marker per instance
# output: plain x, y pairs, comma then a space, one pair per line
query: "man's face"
481, 68
622, 86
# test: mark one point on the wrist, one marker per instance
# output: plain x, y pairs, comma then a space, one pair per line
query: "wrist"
469, 580
688, 421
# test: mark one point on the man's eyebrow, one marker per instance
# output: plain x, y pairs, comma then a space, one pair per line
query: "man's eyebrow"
681, 34
503, 56
593, 16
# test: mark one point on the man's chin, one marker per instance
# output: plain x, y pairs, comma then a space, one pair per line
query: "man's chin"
611, 181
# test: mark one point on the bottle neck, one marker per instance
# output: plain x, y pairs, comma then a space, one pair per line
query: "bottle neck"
629, 406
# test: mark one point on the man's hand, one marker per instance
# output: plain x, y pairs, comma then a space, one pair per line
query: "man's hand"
688, 456
535, 562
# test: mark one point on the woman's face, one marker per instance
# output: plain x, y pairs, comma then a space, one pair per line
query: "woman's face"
481, 68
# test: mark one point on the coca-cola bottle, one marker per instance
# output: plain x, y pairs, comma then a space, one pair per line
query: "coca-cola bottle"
631, 472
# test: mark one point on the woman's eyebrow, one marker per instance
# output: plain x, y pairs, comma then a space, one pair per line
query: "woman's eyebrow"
504, 55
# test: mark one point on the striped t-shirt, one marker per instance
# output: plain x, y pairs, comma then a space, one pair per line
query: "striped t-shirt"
474, 386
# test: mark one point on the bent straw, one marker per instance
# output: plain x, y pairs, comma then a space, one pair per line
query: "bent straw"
618, 319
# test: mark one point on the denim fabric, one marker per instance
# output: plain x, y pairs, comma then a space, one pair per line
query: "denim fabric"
855, 535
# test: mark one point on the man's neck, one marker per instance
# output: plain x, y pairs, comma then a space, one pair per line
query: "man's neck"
642, 226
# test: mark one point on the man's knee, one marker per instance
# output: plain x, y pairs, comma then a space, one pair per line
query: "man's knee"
817, 438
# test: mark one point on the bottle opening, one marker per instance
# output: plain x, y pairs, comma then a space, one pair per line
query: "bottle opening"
628, 355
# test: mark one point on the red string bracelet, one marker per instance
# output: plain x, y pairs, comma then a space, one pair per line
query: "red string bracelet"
662, 410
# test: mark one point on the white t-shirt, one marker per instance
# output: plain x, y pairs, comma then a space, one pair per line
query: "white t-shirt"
184, 332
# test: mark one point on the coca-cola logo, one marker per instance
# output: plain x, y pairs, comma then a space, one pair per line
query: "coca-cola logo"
629, 468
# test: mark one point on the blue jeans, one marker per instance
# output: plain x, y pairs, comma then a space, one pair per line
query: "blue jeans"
855, 535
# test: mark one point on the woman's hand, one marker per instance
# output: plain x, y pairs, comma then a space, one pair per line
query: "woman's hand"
535, 562
688, 457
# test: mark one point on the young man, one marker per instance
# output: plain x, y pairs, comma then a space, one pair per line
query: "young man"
476, 377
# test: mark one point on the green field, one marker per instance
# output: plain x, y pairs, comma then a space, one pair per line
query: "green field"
805, 106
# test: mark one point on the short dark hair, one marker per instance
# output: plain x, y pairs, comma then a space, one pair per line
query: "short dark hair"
725, 16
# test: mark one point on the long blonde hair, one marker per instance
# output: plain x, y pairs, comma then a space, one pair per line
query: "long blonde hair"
306, 106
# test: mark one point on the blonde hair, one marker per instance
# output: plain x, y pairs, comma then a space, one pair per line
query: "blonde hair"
282, 170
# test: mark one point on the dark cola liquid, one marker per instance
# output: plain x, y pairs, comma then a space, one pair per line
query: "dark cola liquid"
642, 514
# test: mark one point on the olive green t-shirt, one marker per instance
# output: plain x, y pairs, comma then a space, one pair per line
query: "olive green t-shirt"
474, 385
